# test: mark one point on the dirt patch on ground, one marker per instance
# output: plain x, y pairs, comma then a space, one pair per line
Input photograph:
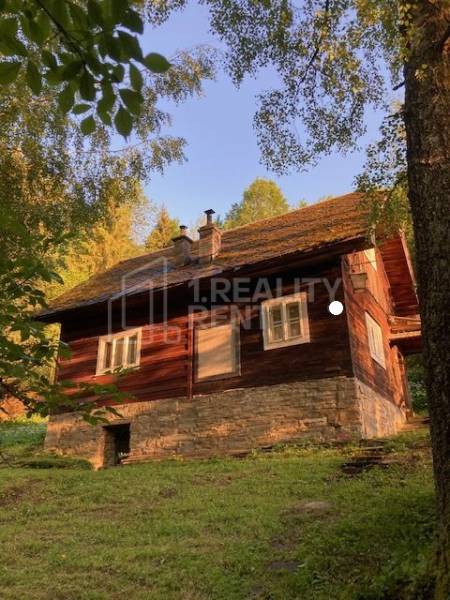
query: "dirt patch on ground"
217, 480
284, 544
168, 492
310, 507
283, 565
30, 489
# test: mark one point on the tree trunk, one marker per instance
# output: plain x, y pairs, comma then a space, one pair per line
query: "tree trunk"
427, 119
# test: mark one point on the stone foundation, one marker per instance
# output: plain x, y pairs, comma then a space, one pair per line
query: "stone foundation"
227, 422
379, 416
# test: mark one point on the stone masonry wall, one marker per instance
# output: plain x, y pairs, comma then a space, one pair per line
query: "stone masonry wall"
380, 417
221, 423
234, 421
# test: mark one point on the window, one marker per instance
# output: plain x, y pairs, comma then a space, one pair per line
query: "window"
375, 336
120, 350
371, 257
285, 321
217, 351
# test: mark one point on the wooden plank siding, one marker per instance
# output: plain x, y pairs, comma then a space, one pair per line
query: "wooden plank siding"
376, 300
395, 256
327, 353
166, 369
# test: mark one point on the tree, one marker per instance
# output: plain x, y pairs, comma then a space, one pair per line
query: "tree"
55, 186
262, 199
165, 229
109, 241
427, 123
331, 57
85, 49
43, 208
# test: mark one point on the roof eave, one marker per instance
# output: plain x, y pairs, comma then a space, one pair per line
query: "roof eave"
317, 253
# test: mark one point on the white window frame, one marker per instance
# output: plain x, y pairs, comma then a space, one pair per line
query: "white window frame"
126, 335
376, 342
304, 338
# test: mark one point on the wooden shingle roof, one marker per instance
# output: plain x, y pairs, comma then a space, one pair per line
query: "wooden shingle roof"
314, 227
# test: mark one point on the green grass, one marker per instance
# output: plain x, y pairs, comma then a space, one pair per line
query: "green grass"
281, 526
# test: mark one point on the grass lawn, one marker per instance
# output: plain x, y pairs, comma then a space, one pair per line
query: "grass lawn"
279, 526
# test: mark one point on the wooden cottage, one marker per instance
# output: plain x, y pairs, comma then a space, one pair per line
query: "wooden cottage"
290, 328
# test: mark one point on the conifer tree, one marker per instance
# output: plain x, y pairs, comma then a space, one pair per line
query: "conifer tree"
165, 229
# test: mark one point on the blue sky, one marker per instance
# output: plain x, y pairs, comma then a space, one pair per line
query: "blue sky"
223, 157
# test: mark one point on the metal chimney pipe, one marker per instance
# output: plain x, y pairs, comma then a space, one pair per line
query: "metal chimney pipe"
209, 216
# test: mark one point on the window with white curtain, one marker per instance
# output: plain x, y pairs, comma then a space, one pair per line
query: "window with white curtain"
375, 336
217, 351
285, 321
119, 350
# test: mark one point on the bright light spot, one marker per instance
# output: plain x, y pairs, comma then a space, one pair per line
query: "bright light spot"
336, 307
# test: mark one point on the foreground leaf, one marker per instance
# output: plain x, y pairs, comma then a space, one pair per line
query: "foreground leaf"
9, 71
156, 63
66, 99
34, 78
132, 100
123, 122
88, 125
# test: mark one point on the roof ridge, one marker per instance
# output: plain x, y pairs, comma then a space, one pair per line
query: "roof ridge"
258, 221
321, 224
294, 210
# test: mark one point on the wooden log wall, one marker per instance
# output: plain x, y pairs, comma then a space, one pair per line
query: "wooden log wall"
377, 301
165, 368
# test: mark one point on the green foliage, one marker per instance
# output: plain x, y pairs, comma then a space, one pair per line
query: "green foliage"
21, 443
56, 187
106, 243
416, 380
165, 229
86, 50
27, 351
385, 171
262, 199
330, 59
22, 432
45, 198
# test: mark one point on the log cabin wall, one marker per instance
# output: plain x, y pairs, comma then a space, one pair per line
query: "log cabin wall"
164, 360
326, 389
166, 367
326, 355
388, 382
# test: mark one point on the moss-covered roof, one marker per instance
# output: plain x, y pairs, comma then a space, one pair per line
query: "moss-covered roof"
317, 226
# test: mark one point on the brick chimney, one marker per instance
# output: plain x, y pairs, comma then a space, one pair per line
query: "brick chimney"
182, 247
209, 242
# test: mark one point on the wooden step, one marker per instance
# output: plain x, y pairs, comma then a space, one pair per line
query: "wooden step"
419, 419
413, 427
372, 442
